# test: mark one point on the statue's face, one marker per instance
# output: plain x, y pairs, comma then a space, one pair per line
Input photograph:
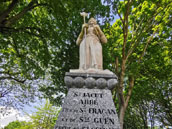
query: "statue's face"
92, 22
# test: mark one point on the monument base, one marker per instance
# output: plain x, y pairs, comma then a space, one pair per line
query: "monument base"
88, 104
88, 109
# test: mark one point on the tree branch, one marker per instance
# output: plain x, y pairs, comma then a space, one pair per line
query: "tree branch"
122, 74
141, 30
149, 40
2, 94
4, 1
116, 65
131, 85
136, 41
12, 78
19, 15
6, 29
9, 73
125, 29
5, 13
121, 81
120, 16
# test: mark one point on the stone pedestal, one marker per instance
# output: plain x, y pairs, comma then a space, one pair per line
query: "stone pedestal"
88, 104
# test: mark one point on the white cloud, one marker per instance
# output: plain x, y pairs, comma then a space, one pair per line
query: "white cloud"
11, 115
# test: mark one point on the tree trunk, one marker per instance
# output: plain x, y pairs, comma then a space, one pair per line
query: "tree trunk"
124, 100
121, 95
121, 116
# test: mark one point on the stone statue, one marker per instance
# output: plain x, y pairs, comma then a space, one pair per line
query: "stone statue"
90, 41
90, 46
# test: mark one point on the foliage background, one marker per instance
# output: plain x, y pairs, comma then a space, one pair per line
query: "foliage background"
37, 47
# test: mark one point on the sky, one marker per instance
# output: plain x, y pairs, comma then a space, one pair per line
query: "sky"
12, 116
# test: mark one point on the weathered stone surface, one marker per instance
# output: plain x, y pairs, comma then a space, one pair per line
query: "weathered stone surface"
91, 70
88, 109
90, 80
111, 83
101, 83
68, 81
95, 75
79, 82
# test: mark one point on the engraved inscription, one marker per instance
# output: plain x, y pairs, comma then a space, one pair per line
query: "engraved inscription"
89, 110
102, 111
89, 95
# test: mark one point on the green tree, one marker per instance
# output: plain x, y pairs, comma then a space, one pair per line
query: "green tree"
133, 39
36, 37
45, 117
16, 125
150, 104
38, 40
23, 40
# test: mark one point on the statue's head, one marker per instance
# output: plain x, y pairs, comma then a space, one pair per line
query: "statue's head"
92, 21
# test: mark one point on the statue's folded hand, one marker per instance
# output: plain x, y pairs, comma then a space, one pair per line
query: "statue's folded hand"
85, 25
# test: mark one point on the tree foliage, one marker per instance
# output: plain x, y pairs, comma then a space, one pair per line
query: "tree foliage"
16, 125
24, 53
140, 42
38, 43
44, 118
36, 37
66, 55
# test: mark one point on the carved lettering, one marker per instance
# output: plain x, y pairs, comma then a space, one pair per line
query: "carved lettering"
93, 95
101, 111
92, 110
89, 95
81, 110
68, 119
72, 119
111, 111
108, 121
76, 94
84, 119
64, 119
88, 102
